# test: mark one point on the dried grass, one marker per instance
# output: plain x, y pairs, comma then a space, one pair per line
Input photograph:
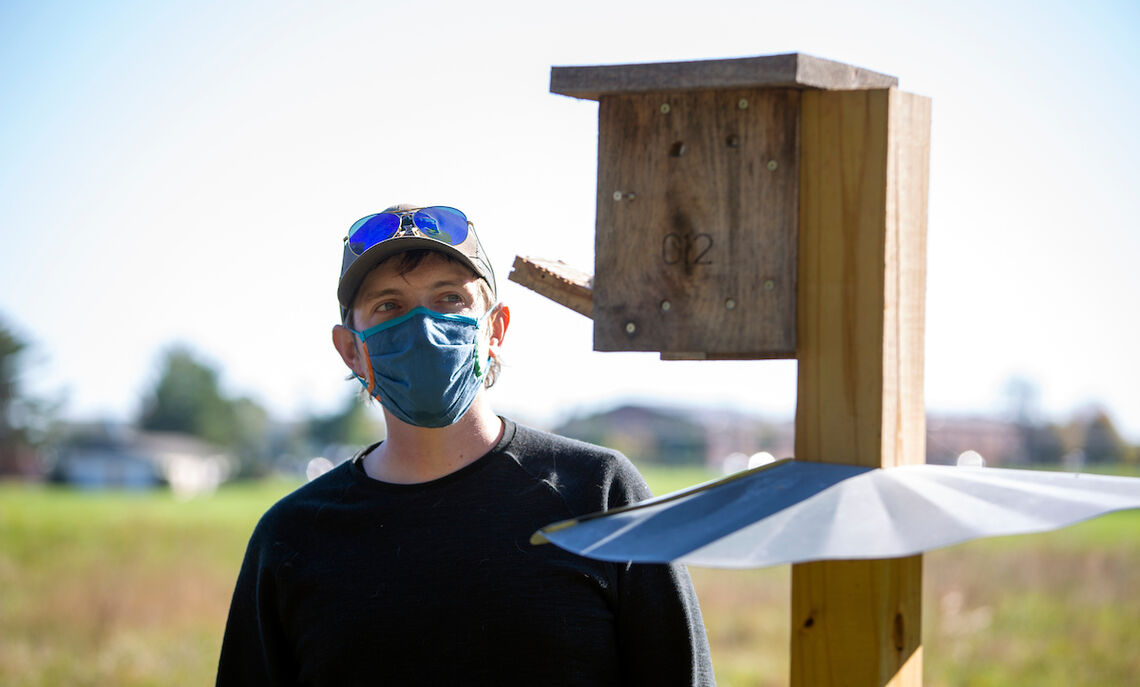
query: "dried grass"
128, 591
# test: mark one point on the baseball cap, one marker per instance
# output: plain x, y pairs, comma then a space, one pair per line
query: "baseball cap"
404, 227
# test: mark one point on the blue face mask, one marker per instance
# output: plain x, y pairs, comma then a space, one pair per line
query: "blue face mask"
425, 367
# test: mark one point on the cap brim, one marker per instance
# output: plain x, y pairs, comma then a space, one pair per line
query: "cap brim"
351, 279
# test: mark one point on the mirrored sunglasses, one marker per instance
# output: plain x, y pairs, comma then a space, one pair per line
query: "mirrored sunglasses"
437, 222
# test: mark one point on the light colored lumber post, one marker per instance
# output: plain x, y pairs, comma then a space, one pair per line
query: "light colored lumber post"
860, 327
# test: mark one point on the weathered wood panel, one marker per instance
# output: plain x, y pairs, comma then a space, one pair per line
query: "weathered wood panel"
791, 70
557, 281
696, 223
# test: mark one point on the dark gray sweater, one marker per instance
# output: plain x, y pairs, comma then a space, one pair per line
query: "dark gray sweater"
352, 581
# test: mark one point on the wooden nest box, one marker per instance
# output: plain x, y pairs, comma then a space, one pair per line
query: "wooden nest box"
699, 200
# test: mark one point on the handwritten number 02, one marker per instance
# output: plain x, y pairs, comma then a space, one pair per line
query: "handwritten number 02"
689, 249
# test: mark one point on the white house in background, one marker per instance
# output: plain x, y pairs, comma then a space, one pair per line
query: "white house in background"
106, 457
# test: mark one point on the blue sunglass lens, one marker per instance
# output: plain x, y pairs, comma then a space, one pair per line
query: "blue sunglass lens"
369, 231
442, 224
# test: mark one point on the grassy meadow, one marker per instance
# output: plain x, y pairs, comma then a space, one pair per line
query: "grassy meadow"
132, 589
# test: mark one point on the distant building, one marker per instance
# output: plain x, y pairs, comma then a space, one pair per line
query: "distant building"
673, 436
999, 442
104, 456
733, 433
700, 436
19, 460
651, 435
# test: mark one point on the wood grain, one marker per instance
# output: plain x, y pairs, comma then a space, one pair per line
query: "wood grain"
862, 267
557, 281
857, 623
791, 70
696, 223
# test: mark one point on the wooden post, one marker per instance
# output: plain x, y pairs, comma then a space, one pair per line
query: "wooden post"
862, 274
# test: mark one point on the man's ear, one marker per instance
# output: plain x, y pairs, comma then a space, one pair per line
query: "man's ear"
500, 320
345, 343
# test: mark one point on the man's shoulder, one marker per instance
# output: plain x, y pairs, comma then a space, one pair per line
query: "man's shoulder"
539, 450
300, 506
593, 476
540, 441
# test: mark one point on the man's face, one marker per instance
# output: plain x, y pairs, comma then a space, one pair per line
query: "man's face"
436, 283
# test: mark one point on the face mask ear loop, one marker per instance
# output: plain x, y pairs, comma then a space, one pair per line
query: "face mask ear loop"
368, 360
483, 363
489, 314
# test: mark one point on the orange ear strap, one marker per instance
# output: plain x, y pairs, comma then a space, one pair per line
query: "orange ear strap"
371, 377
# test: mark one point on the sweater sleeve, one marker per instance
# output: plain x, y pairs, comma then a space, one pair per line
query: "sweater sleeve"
254, 648
661, 633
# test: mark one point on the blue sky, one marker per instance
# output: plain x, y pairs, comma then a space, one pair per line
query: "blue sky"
185, 171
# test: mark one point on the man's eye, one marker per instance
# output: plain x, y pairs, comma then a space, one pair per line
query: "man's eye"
385, 307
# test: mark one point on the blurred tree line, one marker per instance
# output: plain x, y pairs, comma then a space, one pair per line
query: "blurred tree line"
26, 423
1088, 437
186, 397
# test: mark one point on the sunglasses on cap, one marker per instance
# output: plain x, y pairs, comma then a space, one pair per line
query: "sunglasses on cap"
437, 222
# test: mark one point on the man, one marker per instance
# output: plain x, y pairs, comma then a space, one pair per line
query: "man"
410, 564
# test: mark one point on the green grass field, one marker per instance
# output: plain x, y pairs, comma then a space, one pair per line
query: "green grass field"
132, 589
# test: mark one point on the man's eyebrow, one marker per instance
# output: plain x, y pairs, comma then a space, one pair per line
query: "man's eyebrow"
378, 293
454, 283
394, 291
